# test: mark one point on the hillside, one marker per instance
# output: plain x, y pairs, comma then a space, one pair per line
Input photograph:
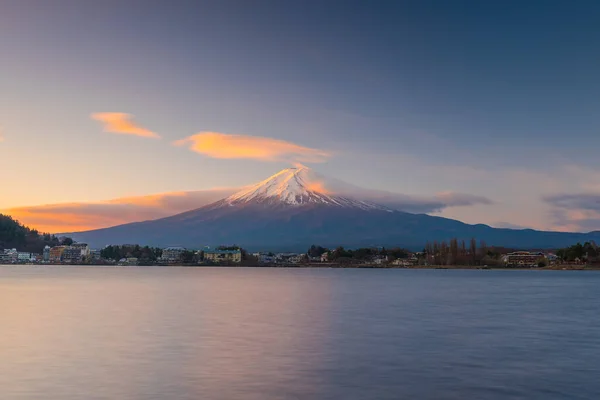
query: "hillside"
15, 235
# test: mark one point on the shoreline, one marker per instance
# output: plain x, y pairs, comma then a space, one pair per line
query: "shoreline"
332, 266
416, 267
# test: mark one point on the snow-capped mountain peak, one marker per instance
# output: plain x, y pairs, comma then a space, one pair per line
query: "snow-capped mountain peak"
291, 186
296, 187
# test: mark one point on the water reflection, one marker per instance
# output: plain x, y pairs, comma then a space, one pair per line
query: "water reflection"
169, 333
157, 333
257, 339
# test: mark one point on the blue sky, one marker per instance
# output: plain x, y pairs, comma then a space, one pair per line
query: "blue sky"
496, 99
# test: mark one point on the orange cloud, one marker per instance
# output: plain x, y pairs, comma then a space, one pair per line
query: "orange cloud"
121, 123
75, 217
318, 187
221, 145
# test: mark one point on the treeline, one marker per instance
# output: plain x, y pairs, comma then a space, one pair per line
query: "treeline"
15, 235
150, 255
341, 255
459, 252
588, 252
452, 252
143, 254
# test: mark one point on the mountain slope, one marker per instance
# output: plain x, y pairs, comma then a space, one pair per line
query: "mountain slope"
296, 208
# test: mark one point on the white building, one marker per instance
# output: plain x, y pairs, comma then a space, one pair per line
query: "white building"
46, 254
130, 261
83, 247
378, 260
296, 259
172, 254
9, 256
23, 257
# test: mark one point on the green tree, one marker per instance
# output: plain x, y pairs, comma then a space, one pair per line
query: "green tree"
15, 235
338, 253
316, 251
541, 263
398, 252
188, 257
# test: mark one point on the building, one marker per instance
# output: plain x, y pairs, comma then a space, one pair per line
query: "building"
406, 262
46, 254
172, 254
23, 257
96, 255
9, 256
223, 256
400, 262
289, 258
265, 258
132, 261
129, 261
379, 260
56, 254
83, 248
523, 259
71, 255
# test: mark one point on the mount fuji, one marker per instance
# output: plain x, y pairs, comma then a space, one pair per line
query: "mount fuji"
298, 207
301, 187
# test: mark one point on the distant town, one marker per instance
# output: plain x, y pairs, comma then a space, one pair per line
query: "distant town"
454, 254
22, 245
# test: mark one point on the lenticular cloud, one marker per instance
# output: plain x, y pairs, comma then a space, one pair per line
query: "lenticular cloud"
221, 145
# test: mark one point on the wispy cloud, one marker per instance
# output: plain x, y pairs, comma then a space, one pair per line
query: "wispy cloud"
453, 199
437, 203
411, 203
507, 225
221, 145
585, 201
73, 217
575, 220
575, 211
122, 123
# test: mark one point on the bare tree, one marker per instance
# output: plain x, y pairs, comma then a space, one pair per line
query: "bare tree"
429, 253
453, 251
443, 253
482, 248
473, 251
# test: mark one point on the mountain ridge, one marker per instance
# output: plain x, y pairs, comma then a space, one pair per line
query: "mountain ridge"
298, 207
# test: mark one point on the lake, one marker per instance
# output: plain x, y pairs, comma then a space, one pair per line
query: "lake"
71, 333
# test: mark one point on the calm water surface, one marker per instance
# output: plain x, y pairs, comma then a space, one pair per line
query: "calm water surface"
240, 333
